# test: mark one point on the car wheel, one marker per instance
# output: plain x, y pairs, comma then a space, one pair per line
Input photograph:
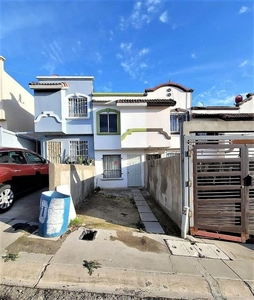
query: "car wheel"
6, 198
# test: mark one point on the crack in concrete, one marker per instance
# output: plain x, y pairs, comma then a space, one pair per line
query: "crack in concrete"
212, 282
43, 271
245, 282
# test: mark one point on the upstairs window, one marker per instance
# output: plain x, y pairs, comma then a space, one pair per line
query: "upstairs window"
77, 107
176, 121
108, 121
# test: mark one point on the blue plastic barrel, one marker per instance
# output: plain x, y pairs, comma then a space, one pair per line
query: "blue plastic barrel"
54, 214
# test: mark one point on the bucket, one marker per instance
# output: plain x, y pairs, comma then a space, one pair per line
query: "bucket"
54, 214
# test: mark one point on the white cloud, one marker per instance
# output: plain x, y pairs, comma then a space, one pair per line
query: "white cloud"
143, 51
143, 13
133, 61
243, 9
216, 96
98, 57
193, 55
164, 17
126, 46
243, 63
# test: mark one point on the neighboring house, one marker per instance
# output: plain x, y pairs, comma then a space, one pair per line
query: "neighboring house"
218, 170
16, 104
64, 118
132, 128
16, 113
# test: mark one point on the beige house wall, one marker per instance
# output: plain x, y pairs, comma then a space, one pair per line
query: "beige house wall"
163, 182
16, 104
79, 178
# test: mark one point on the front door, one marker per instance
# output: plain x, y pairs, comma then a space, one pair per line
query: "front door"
134, 170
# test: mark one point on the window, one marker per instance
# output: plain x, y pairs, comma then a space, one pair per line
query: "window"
77, 107
33, 158
4, 157
108, 121
176, 121
112, 166
78, 152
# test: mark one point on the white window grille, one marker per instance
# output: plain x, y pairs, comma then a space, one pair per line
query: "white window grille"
176, 121
112, 166
77, 107
78, 152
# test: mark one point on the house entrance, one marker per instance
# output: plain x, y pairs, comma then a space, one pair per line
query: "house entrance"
223, 190
134, 170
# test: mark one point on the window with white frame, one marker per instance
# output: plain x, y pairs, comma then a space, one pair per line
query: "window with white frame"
78, 152
77, 107
112, 166
176, 121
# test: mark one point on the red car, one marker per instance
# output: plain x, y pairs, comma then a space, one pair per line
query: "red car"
21, 170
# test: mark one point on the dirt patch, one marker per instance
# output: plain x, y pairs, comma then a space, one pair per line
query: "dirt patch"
105, 209
109, 210
34, 245
141, 243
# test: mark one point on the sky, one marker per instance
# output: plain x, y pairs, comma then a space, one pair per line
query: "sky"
128, 46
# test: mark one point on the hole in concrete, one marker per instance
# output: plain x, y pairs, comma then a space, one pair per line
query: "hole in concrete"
88, 235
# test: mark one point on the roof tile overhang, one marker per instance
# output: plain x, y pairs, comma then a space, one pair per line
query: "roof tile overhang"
147, 102
48, 85
225, 117
215, 108
169, 84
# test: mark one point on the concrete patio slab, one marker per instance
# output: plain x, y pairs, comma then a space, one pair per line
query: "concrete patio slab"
153, 227
148, 217
144, 209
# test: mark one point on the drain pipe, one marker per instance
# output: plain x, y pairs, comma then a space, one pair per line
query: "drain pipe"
185, 186
185, 222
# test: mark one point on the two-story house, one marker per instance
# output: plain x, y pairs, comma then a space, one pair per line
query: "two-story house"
130, 128
64, 118
16, 112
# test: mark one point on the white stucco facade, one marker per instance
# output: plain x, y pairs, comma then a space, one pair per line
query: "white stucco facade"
143, 128
16, 104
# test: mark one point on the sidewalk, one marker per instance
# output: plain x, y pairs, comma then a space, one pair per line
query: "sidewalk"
139, 264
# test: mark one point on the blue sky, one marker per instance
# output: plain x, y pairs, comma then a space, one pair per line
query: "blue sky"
129, 46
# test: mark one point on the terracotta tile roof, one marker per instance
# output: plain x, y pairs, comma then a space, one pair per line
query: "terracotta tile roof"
214, 108
225, 117
169, 84
150, 102
48, 84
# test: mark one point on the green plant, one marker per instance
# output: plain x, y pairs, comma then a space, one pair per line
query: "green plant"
10, 256
80, 160
75, 223
91, 265
140, 225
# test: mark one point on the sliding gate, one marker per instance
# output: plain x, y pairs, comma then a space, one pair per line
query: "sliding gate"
223, 191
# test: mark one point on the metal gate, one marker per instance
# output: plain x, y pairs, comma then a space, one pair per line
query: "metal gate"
54, 152
223, 191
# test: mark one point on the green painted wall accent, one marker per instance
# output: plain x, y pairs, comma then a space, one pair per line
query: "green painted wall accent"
98, 121
131, 130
